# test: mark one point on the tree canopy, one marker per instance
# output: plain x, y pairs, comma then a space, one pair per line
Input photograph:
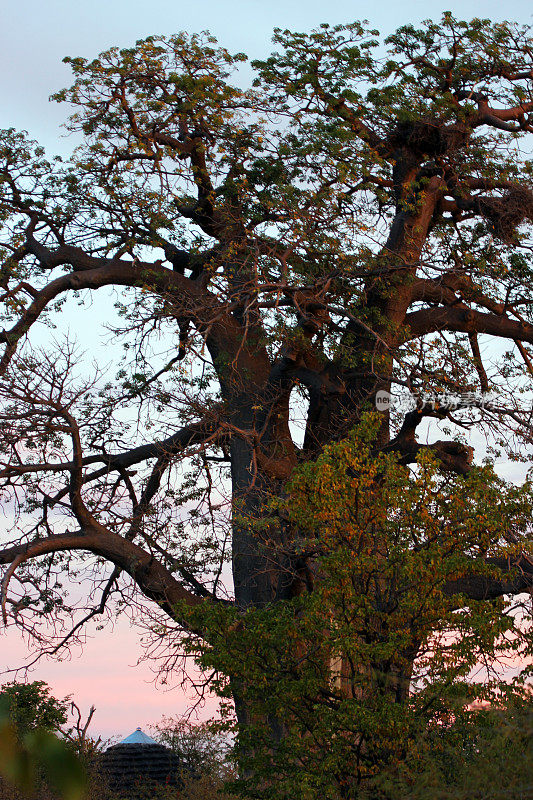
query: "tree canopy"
354, 227
31, 705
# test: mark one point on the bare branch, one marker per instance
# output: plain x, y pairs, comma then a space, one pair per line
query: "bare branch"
153, 579
427, 321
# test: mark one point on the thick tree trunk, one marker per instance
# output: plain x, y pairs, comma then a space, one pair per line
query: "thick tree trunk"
337, 399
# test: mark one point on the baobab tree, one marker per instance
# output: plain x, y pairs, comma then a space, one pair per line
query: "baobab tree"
354, 226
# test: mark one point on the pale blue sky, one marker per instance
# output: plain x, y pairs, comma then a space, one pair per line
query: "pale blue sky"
36, 35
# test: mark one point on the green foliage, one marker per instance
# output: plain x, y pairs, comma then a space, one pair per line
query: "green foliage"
38, 755
479, 754
29, 749
200, 747
205, 754
31, 705
332, 701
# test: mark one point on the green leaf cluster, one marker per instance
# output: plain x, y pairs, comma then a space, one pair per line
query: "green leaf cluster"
29, 756
334, 704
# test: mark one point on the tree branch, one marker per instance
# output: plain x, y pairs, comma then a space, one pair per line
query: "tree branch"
152, 578
426, 321
517, 577
223, 332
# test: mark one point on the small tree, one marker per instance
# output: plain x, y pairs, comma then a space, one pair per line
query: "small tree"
201, 748
32, 705
204, 752
31, 753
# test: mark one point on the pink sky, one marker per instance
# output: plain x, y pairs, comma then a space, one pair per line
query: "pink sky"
105, 674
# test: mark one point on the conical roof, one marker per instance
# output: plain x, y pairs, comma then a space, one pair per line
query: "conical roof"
138, 737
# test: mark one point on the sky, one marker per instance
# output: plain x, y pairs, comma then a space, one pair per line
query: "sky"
34, 37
